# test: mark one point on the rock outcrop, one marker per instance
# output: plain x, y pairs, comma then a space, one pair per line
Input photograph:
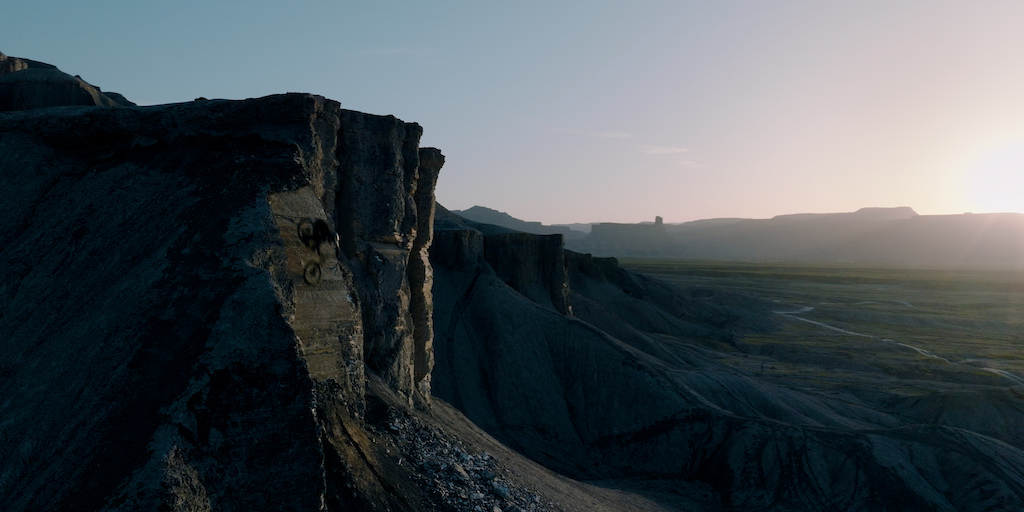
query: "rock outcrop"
381, 233
28, 84
171, 284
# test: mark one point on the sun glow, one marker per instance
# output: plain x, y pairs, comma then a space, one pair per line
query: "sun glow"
995, 180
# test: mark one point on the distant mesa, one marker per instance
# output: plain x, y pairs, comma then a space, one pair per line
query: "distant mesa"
879, 236
875, 236
642, 240
636, 232
898, 213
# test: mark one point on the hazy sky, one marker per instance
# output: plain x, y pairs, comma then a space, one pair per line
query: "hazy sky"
560, 111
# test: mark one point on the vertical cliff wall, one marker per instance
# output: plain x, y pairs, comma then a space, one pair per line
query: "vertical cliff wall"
194, 298
533, 265
380, 202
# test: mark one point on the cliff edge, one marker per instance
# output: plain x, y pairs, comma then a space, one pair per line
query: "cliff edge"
226, 305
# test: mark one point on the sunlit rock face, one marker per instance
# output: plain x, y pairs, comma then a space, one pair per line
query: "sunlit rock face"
384, 210
194, 296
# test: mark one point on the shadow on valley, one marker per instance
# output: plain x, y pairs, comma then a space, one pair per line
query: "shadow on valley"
734, 388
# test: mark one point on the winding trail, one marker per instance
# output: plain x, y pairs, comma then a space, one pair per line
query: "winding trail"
807, 309
1006, 374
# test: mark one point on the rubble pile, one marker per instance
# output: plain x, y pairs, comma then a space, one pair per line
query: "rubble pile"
449, 471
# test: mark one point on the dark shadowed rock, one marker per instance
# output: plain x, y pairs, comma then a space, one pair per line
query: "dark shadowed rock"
533, 265
379, 159
149, 293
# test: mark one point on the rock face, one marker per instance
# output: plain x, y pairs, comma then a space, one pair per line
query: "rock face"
381, 232
627, 387
27, 84
534, 265
421, 302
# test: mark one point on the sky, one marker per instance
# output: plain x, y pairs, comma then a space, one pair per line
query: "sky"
598, 111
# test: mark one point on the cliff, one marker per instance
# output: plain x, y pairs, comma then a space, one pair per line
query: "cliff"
226, 305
